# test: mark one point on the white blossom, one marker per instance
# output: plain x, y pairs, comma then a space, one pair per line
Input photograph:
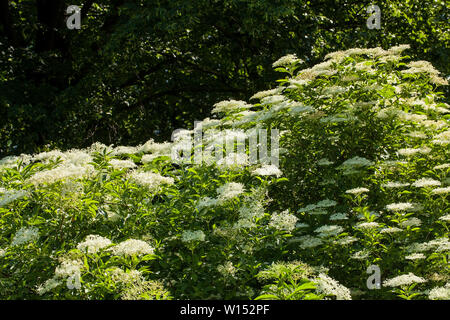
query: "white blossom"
189, 236
401, 206
440, 293
390, 230
151, 180
68, 268
122, 164
329, 286
441, 190
230, 105
357, 191
267, 170
403, 280
25, 235
411, 222
230, 190
93, 244
132, 247
286, 60
338, 216
283, 221
329, 230
415, 256
367, 225
62, 172
10, 196
426, 182
394, 184
227, 269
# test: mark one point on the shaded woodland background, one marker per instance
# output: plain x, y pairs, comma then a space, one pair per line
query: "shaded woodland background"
140, 69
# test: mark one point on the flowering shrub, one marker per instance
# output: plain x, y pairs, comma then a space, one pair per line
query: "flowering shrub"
363, 180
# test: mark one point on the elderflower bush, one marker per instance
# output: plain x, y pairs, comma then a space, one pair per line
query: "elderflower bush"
363, 180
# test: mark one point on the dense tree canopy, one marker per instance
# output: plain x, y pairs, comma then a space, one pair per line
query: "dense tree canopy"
140, 69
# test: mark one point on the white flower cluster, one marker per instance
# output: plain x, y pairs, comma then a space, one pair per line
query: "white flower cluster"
11, 161
230, 190
126, 277
230, 105
93, 244
47, 286
49, 156
420, 67
132, 247
326, 203
98, 147
345, 241
156, 148
426, 182
441, 190
299, 225
122, 164
338, 216
360, 255
25, 235
189, 236
415, 256
233, 160
324, 162
440, 293
62, 172
411, 222
437, 245
401, 206
78, 157
390, 230
151, 180
408, 152
268, 170
367, 225
442, 166
10, 196
307, 242
357, 162
403, 280
394, 184
251, 210
275, 99
329, 286
357, 191
326, 231
206, 202
416, 134
266, 93
283, 221
318, 208
227, 269
124, 150
68, 268
287, 60
244, 224
442, 138
353, 165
